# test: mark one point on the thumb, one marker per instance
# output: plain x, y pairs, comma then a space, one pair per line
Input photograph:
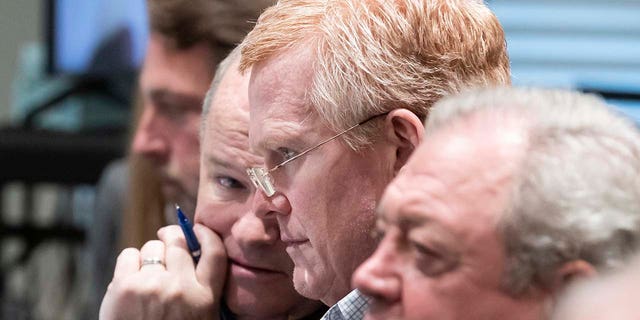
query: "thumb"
212, 268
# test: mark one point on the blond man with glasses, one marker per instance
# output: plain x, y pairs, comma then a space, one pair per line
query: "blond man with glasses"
338, 93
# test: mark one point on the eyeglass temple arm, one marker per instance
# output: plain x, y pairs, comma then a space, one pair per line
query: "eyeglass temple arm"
327, 140
316, 147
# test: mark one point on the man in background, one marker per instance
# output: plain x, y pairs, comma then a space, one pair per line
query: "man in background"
513, 195
182, 53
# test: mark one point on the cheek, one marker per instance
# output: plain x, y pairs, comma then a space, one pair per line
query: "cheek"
215, 216
188, 154
449, 296
337, 211
186, 139
419, 300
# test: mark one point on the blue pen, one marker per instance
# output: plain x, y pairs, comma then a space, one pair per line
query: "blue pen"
187, 229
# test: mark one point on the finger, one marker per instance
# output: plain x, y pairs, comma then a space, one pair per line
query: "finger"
212, 268
152, 250
127, 263
177, 255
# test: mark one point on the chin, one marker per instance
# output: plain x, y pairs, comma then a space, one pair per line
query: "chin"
260, 302
321, 284
305, 284
245, 304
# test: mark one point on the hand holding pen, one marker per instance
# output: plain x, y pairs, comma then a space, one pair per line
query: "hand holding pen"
171, 288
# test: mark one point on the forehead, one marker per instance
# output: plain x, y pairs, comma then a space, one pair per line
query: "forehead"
459, 177
231, 99
227, 124
278, 97
181, 71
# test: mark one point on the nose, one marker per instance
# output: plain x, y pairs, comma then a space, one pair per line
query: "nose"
150, 137
267, 208
378, 277
251, 231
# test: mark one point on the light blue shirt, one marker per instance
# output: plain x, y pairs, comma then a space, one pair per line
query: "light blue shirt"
351, 307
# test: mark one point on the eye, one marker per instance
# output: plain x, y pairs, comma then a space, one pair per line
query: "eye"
377, 234
423, 250
429, 261
229, 183
174, 110
286, 153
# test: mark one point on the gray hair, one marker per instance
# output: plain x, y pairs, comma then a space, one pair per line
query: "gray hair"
221, 70
576, 193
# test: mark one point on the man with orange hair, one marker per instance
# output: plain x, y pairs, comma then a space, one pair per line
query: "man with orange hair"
364, 73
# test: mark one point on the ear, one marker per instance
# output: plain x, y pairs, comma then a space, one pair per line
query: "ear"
405, 131
569, 272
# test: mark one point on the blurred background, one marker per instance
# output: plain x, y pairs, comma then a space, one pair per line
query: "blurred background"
67, 77
588, 45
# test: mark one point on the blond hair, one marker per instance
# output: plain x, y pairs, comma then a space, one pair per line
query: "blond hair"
373, 56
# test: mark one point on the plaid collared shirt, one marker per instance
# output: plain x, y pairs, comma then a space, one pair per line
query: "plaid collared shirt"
351, 307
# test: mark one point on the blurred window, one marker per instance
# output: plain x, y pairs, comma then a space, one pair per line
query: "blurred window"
589, 45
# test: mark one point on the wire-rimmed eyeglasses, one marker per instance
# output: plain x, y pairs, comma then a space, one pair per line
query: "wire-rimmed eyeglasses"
261, 177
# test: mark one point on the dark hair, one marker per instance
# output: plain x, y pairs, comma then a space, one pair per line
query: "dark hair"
222, 24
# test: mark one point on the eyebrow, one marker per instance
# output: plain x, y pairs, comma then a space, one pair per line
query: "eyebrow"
408, 220
279, 136
440, 235
412, 221
168, 96
211, 159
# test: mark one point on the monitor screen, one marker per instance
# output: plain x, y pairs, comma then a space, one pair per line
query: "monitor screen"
96, 37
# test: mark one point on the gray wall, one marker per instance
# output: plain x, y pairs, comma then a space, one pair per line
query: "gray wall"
20, 23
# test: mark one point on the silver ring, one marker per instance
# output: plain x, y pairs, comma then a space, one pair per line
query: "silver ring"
152, 260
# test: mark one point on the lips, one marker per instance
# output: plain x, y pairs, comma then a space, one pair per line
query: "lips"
249, 274
290, 241
252, 267
294, 243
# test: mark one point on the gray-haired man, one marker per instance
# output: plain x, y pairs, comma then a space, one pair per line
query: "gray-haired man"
512, 195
